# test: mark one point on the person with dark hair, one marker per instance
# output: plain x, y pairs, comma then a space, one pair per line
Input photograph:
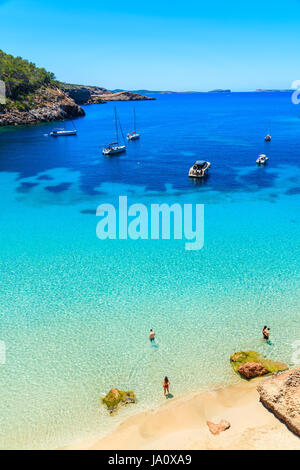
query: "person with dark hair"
152, 336
266, 333
166, 384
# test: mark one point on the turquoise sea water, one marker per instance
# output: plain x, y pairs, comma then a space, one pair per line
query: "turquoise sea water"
75, 312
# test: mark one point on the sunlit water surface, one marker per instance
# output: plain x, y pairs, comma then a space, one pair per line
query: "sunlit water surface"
75, 312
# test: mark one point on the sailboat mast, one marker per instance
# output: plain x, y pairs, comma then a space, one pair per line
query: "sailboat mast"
117, 134
134, 120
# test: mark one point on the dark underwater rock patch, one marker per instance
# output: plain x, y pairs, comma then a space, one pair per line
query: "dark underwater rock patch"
88, 211
26, 187
45, 178
59, 188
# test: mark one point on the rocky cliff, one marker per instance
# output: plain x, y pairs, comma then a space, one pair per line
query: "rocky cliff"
97, 95
31, 94
49, 104
281, 394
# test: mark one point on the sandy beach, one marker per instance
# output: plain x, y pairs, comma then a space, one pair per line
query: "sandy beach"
181, 424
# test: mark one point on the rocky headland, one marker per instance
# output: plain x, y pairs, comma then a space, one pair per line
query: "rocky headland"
31, 94
83, 95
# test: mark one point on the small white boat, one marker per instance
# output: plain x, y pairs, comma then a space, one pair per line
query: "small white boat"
268, 138
133, 135
114, 148
199, 169
62, 133
262, 159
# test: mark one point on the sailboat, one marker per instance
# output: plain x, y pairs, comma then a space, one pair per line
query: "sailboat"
133, 135
63, 132
268, 137
114, 147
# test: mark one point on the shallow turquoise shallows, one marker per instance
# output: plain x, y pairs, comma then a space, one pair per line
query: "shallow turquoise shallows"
75, 312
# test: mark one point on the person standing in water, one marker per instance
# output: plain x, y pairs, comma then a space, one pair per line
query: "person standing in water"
166, 384
152, 336
266, 333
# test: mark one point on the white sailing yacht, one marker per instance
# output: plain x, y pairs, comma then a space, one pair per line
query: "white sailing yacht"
133, 135
114, 147
63, 132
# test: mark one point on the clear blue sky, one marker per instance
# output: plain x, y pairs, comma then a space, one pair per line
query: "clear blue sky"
186, 45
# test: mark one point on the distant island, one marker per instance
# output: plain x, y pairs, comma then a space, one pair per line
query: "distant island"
33, 94
166, 92
274, 91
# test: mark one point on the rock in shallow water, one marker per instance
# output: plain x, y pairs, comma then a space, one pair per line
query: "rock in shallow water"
252, 369
116, 398
281, 394
243, 363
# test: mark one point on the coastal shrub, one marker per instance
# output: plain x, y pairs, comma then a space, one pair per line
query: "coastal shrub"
22, 79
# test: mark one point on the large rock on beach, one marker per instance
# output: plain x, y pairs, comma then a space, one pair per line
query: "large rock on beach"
281, 395
116, 398
217, 428
250, 364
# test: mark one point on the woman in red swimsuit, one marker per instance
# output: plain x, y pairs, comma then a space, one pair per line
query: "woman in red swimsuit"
166, 384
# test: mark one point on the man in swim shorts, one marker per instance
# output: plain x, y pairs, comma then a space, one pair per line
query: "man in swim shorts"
152, 335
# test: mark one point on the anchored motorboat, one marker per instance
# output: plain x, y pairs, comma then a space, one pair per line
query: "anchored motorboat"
262, 159
199, 169
115, 147
133, 135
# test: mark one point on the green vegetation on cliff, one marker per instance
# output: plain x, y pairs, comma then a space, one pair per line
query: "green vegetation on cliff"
22, 80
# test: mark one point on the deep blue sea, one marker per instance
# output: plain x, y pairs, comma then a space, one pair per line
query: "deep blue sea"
75, 311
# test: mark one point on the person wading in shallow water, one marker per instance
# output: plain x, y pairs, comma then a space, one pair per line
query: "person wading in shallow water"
152, 336
166, 384
266, 333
